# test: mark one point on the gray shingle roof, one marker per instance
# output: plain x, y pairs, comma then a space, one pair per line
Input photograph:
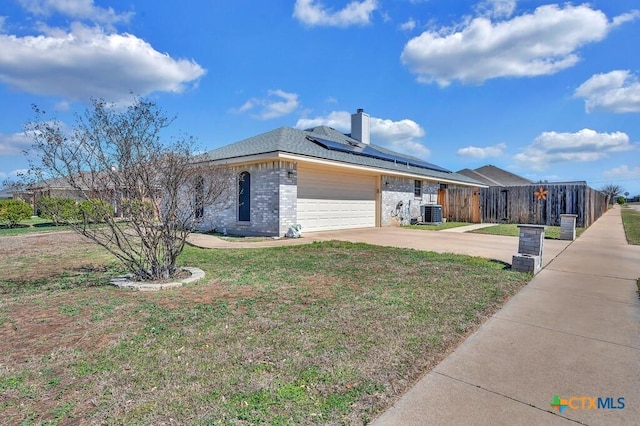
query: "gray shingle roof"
6, 192
295, 141
495, 176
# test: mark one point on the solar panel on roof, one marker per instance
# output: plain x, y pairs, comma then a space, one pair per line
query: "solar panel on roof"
368, 151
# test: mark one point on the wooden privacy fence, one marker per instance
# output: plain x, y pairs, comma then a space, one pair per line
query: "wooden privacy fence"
521, 204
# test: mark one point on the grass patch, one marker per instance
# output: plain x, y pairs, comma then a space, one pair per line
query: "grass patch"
82, 277
631, 223
512, 230
444, 225
324, 333
36, 221
34, 224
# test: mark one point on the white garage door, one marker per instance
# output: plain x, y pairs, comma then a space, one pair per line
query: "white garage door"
332, 200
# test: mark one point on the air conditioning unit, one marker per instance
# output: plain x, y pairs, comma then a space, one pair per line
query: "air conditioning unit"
431, 213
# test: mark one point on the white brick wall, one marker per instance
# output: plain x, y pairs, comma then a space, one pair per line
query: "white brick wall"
273, 202
395, 189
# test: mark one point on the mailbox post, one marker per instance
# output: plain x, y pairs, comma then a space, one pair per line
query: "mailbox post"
568, 226
530, 245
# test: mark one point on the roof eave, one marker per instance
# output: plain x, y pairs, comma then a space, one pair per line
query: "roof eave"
283, 155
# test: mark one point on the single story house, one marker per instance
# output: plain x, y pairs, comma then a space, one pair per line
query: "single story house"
54, 187
62, 188
322, 180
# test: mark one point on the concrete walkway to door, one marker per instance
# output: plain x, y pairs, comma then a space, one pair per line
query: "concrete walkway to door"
573, 331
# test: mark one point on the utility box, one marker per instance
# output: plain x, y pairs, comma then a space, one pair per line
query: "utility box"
431, 213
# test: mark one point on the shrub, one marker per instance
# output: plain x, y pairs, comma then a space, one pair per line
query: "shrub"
112, 151
94, 211
138, 209
59, 210
621, 200
14, 211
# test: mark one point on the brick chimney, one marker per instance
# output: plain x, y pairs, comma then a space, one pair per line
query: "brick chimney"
361, 126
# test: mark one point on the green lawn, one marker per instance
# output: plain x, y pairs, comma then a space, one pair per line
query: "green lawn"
631, 222
34, 224
444, 225
325, 333
512, 230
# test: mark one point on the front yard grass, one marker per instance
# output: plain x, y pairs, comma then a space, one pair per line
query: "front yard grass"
512, 230
631, 223
34, 224
325, 333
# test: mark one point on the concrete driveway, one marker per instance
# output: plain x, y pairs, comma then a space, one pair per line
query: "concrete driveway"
488, 246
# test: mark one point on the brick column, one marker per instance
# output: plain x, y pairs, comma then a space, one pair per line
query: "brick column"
530, 246
568, 226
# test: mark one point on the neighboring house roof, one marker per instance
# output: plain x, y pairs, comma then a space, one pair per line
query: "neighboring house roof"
573, 182
300, 142
84, 181
6, 193
495, 176
53, 183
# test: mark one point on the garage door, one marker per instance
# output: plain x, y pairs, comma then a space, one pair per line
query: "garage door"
333, 200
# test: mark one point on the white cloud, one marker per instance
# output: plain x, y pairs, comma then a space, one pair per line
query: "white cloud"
272, 106
497, 8
617, 91
626, 17
585, 145
87, 62
489, 151
539, 43
397, 135
75, 9
623, 171
14, 144
314, 13
340, 120
410, 25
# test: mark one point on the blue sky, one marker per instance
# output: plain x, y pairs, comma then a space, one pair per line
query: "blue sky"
550, 91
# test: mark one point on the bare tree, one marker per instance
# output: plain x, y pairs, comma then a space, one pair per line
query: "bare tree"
141, 197
611, 191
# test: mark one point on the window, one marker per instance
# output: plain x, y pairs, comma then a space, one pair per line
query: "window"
199, 198
244, 197
417, 188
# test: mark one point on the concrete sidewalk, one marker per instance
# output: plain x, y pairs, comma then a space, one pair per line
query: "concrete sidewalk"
467, 228
573, 331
